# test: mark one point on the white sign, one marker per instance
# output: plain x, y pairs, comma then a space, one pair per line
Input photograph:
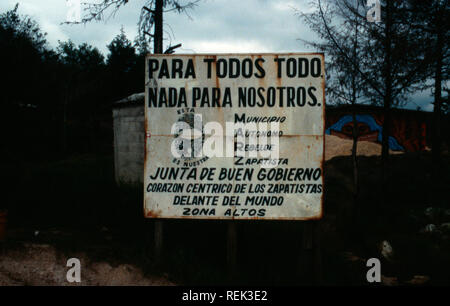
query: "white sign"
235, 136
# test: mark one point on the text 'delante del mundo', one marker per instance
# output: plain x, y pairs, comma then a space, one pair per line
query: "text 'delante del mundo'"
234, 136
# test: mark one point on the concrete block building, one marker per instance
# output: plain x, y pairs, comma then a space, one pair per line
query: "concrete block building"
409, 132
129, 139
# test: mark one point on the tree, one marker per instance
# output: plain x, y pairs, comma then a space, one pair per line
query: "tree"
430, 23
22, 44
122, 53
141, 45
83, 98
25, 61
151, 15
125, 76
446, 102
341, 43
386, 57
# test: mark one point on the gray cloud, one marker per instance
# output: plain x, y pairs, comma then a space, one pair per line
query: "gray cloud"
244, 26
214, 26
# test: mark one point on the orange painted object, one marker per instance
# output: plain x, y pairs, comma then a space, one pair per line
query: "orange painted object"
3, 221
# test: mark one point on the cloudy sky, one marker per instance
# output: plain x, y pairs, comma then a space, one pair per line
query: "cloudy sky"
214, 26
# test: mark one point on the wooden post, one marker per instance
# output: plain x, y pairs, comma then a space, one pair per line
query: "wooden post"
158, 242
158, 34
231, 249
317, 254
306, 246
157, 49
310, 259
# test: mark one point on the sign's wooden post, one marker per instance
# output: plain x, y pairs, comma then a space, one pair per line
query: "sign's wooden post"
158, 243
305, 258
317, 256
158, 49
235, 137
310, 259
231, 249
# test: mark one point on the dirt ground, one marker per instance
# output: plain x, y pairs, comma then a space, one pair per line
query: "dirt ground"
335, 146
35, 264
116, 254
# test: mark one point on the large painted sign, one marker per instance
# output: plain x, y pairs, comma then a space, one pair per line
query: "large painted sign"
234, 136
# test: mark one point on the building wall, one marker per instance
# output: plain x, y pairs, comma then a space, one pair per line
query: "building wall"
408, 131
129, 142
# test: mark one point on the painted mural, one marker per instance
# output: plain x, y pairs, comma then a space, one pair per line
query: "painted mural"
408, 133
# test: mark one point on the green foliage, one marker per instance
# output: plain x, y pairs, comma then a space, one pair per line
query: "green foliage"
356, 50
31, 71
125, 67
23, 45
142, 46
63, 95
446, 103
22, 30
83, 57
122, 54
